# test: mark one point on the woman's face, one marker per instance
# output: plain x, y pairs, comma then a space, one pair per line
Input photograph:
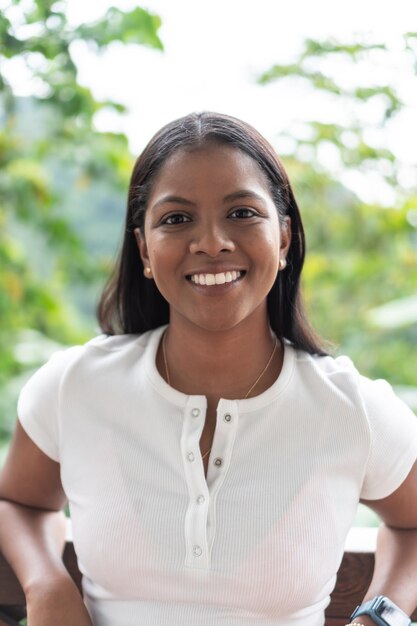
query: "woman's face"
212, 237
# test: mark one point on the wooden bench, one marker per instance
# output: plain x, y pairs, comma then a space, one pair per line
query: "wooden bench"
353, 580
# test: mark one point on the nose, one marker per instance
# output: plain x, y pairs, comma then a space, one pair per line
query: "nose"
211, 239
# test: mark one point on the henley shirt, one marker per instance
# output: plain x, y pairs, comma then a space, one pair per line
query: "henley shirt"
257, 542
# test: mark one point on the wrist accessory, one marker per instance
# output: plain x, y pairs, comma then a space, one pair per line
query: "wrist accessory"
383, 612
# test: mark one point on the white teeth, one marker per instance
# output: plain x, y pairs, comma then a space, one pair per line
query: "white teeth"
215, 279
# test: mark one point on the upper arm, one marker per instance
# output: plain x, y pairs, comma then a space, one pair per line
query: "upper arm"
399, 509
29, 476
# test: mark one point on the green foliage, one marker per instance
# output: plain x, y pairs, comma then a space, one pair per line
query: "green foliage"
137, 26
56, 172
360, 254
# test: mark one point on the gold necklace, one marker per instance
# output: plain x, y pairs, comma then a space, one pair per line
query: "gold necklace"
250, 388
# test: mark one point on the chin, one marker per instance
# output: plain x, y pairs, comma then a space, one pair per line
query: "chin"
218, 324
222, 318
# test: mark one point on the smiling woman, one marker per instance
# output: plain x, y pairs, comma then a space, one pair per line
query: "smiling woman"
216, 242
237, 155
211, 452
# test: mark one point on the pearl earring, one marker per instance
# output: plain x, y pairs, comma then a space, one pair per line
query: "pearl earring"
148, 272
282, 264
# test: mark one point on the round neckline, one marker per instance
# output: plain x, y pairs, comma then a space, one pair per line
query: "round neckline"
244, 405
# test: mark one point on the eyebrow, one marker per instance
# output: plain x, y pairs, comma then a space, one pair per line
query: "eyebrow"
236, 195
244, 193
175, 199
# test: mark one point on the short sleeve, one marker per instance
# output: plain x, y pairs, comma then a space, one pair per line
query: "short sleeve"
38, 403
393, 447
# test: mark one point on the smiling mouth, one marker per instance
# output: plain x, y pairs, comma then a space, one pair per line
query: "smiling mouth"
220, 278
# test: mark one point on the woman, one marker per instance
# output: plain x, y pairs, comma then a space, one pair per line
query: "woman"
212, 454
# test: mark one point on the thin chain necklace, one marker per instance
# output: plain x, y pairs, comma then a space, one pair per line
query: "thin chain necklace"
250, 388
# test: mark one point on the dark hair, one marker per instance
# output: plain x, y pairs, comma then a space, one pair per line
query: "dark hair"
131, 303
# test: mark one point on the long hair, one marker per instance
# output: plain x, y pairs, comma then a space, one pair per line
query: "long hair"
131, 303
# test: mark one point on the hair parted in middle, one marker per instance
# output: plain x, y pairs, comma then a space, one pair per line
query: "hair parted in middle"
131, 303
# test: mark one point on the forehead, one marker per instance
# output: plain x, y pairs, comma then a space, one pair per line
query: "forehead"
213, 167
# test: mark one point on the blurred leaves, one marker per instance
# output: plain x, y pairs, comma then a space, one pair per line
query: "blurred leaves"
57, 174
361, 264
136, 26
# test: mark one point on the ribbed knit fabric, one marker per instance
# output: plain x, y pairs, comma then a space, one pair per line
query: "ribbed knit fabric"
258, 542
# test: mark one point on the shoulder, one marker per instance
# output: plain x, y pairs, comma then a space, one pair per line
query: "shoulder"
339, 377
337, 374
326, 366
102, 345
106, 350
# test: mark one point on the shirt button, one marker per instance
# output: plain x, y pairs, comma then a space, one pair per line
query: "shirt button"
227, 417
195, 412
200, 499
197, 551
190, 457
218, 462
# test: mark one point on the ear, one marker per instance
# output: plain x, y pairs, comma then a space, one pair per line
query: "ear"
285, 237
142, 247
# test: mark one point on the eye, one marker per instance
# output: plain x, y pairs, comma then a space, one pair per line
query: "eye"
243, 212
175, 218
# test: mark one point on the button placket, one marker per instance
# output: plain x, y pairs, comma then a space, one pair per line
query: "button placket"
197, 552
226, 429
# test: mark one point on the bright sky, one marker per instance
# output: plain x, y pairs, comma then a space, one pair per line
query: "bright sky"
215, 49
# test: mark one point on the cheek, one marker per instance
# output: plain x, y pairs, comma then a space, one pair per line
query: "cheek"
266, 243
157, 250
165, 259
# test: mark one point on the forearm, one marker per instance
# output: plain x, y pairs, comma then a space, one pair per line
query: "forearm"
32, 541
395, 569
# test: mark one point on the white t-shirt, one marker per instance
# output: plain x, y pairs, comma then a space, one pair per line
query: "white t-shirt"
261, 540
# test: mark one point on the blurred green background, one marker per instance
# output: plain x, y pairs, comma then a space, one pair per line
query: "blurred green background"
63, 186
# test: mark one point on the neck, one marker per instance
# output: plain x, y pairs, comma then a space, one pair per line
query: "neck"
223, 363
